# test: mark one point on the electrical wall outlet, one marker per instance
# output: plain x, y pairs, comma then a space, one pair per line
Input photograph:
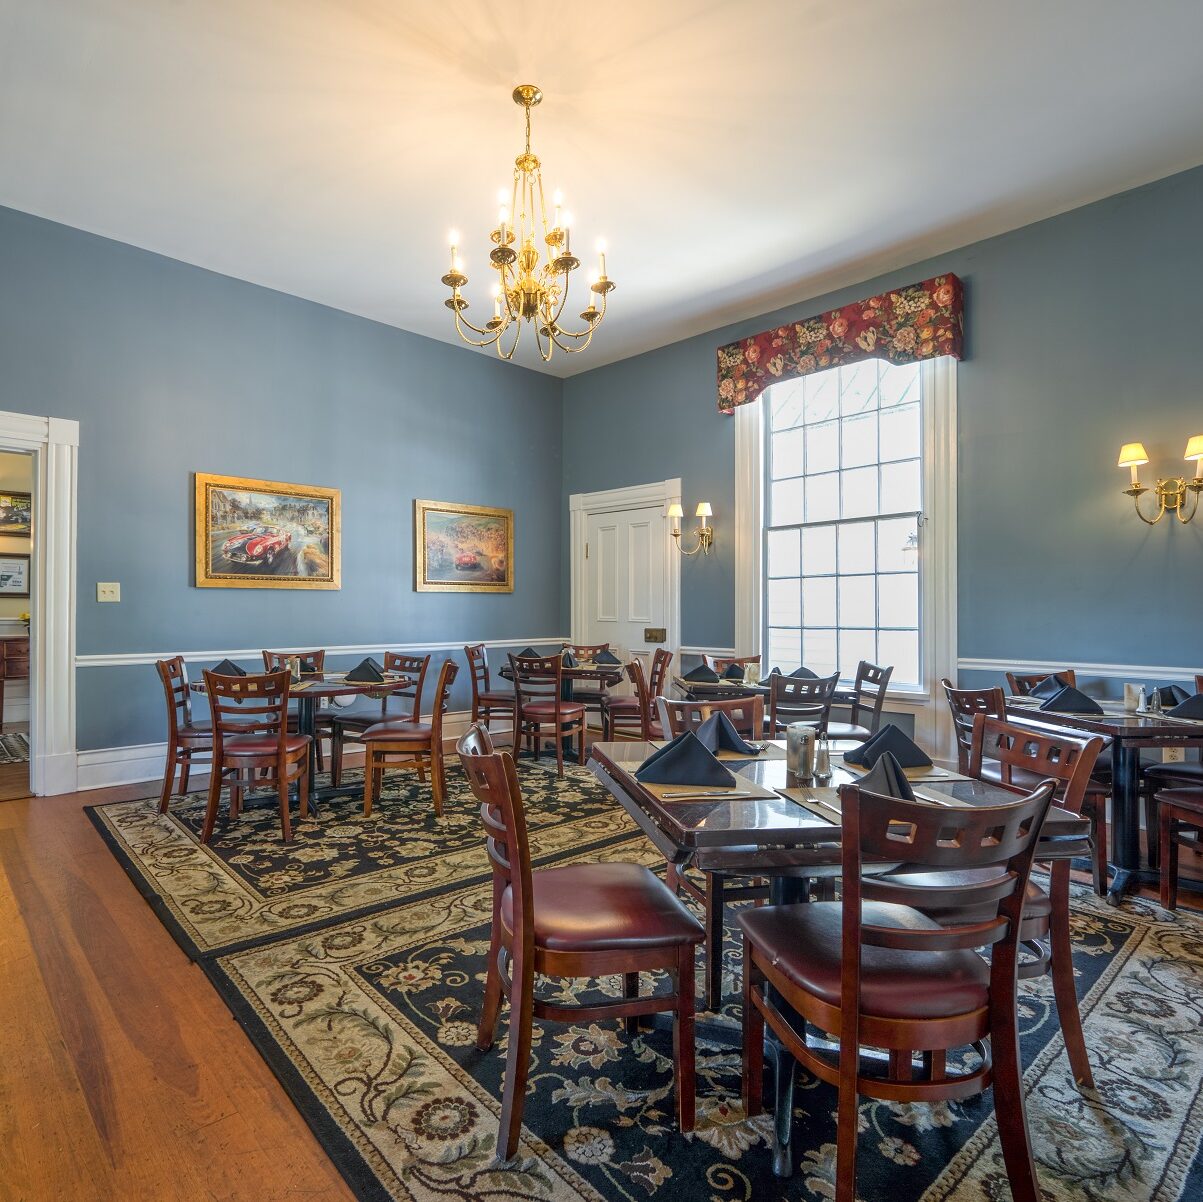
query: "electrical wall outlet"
108, 591
1173, 755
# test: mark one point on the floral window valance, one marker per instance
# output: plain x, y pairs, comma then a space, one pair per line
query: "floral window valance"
920, 321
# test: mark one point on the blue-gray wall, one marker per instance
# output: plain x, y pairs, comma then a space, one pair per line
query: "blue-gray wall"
1082, 333
171, 370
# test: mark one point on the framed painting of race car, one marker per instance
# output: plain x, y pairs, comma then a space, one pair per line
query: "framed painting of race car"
265, 534
463, 548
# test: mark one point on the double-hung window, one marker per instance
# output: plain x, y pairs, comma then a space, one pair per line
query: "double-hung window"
844, 479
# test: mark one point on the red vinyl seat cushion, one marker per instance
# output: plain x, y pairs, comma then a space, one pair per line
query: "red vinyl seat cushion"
263, 744
417, 732
547, 710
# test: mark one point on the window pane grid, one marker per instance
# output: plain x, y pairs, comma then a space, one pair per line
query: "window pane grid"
842, 535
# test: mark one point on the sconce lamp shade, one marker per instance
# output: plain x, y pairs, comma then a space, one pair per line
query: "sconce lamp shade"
704, 511
1194, 448
675, 510
1133, 454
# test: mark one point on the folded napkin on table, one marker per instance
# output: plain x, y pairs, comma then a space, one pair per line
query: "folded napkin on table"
227, 667
888, 779
702, 675
568, 659
527, 653
888, 740
1071, 701
684, 761
718, 733
734, 672
1171, 694
1192, 707
1050, 686
804, 674
367, 671
769, 678
606, 657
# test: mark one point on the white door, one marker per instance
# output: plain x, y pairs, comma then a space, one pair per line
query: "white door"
624, 581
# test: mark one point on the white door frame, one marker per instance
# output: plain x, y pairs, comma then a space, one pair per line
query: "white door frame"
54, 445
582, 505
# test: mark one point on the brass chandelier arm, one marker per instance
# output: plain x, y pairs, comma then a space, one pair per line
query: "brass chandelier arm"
1182, 505
1170, 497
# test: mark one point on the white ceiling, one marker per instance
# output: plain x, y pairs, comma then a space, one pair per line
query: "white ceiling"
735, 155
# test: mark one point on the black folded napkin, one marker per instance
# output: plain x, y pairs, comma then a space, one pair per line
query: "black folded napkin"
1050, 686
892, 740
527, 653
887, 778
702, 675
606, 657
1192, 707
768, 680
1071, 701
227, 667
804, 674
734, 672
1172, 694
684, 761
568, 659
367, 671
309, 669
718, 733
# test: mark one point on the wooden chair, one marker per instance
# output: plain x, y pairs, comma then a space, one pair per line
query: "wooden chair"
965, 705
186, 738
1159, 777
312, 662
884, 975
868, 697
746, 714
487, 702
349, 725
591, 698
579, 920
540, 709
801, 699
252, 744
1180, 824
1021, 684
718, 888
410, 740
721, 665
634, 714
1027, 759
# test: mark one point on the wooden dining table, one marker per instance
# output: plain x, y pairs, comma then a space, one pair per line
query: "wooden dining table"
308, 693
721, 690
1129, 734
773, 825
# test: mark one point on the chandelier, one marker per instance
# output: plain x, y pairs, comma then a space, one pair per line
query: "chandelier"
529, 288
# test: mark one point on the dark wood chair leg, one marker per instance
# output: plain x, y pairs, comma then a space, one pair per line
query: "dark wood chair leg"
168, 779
672, 877
282, 794
581, 756
1011, 1116
438, 778
185, 772
369, 781
630, 989
486, 1029
1169, 860
714, 941
213, 802
753, 1057
1153, 829
336, 756
1099, 836
684, 1063
303, 789
559, 752
1064, 989
517, 1060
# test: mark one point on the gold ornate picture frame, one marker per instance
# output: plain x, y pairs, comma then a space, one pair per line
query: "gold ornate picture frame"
267, 534
463, 548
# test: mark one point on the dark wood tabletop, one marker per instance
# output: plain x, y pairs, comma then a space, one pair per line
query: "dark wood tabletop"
770, 824
606, 674
1114, 722
335, 684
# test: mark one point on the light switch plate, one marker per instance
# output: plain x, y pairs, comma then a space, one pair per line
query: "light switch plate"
1173, 755
108, 591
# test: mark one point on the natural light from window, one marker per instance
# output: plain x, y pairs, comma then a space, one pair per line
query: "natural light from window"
843, 502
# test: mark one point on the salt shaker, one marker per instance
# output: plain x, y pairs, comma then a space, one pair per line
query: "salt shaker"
800, 750
1155, 702
1142, 706
823, 759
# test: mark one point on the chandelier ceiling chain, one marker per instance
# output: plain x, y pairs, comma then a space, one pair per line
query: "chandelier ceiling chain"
528, 289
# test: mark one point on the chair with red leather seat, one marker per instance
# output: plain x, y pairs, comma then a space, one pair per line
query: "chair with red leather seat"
252, 745
405, 705
575, 921
540, 709
1185, 774
868, 698
409, 741
1180, 824
487, 702
634, 715
884, 975
311, 663
1026, 758
186, 738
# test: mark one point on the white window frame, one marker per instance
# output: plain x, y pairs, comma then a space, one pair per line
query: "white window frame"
937, 543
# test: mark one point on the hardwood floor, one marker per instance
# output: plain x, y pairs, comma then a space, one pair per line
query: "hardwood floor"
122, 1074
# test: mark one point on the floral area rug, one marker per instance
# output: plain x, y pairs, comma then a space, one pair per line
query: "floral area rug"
247, 885
367, 1015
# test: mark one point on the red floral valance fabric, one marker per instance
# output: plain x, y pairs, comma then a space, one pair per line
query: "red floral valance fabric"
918, 322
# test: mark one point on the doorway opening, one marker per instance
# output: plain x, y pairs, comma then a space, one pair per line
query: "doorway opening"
16, 556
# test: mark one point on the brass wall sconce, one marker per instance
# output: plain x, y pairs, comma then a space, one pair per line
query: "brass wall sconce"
704, 532
1170, 494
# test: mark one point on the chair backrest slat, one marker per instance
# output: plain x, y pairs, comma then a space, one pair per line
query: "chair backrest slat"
642, 695
478, 669
537, 678
658, 679
1022, 683
965, 705
409, 665
746, 714
173, 673
869, 694
585, 653
442, 695
311, 661
248, 705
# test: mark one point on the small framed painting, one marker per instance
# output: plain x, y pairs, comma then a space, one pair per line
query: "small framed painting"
266, 534
463, 548
14, 575
16, 514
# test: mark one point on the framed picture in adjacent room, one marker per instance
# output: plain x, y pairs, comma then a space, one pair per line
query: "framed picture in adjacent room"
16, 514
463, 548
266, 534
14, 575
